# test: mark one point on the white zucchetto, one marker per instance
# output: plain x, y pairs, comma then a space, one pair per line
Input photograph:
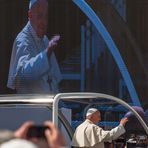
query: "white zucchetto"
91, 111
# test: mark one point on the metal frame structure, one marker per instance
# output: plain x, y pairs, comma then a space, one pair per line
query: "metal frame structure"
86, 9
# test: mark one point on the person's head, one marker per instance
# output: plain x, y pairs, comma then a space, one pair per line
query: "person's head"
15, 143
94, 115
133, 124
139, 110
38, 16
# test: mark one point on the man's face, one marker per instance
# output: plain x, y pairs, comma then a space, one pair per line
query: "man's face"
96, 117
38, 16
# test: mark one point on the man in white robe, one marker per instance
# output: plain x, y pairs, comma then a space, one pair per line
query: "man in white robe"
89, 135
33, 65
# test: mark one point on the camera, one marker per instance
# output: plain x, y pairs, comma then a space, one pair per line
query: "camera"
37, 131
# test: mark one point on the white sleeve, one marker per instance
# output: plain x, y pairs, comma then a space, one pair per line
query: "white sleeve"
110, 135
117, 131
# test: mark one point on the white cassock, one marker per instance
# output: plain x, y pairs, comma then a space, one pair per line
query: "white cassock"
89, 135
31, 71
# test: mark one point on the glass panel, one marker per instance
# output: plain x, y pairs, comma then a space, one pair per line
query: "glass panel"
13, 117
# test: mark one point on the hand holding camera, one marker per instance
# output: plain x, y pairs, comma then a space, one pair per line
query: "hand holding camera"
46, 133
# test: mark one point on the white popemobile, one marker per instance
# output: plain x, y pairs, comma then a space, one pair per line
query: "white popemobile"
43, 107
